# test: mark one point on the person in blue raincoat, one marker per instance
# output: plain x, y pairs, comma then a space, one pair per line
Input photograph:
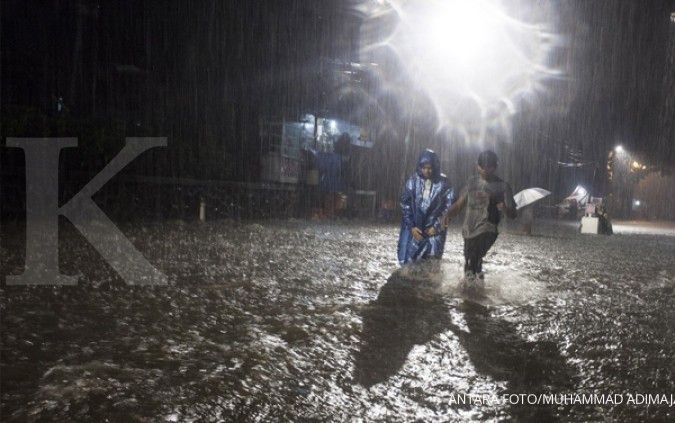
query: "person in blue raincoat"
426, 196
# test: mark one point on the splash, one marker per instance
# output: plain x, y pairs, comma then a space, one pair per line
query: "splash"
502, 284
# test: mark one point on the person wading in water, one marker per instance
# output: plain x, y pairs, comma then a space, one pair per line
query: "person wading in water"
426, 195
485, 197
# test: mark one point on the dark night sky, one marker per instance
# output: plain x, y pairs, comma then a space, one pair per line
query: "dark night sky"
204, 73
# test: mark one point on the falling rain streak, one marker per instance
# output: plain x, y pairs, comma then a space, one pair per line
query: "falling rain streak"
271, 214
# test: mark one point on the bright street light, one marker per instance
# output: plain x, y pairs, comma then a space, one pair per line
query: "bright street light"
470, 58
618, 149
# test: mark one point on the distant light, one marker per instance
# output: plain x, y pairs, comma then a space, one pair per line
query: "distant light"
618, 149
333, 125
582, 190
637, 202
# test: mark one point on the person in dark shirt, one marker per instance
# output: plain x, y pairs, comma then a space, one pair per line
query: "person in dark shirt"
485, 196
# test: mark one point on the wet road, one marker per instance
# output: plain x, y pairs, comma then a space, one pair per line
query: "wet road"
278, 321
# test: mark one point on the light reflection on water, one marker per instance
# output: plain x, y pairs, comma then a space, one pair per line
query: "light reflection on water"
290, 320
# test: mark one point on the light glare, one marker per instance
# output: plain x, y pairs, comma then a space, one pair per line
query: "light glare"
469, 58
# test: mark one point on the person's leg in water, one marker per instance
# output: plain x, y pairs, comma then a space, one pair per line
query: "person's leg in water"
486, 242
471, 258
474, 250
468, 256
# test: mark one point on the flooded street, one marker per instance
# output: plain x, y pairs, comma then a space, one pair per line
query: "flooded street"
216, 177
290, 320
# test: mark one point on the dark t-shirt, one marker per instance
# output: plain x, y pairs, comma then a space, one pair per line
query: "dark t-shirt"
482, 197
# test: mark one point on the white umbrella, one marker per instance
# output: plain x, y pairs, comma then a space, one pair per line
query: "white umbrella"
529, 196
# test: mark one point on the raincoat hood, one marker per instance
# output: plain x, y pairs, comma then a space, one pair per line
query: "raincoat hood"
429, 156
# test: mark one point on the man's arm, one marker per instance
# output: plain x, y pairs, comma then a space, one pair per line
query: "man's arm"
455, 209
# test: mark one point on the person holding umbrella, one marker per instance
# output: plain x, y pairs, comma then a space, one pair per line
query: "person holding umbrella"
525, 200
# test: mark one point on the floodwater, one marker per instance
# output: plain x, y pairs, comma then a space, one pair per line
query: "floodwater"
290, 320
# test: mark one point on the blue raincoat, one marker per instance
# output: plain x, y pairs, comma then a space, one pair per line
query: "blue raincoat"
424, 213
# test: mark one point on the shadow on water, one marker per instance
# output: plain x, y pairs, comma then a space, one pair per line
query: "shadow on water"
401, 317
497, 350
409, 312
